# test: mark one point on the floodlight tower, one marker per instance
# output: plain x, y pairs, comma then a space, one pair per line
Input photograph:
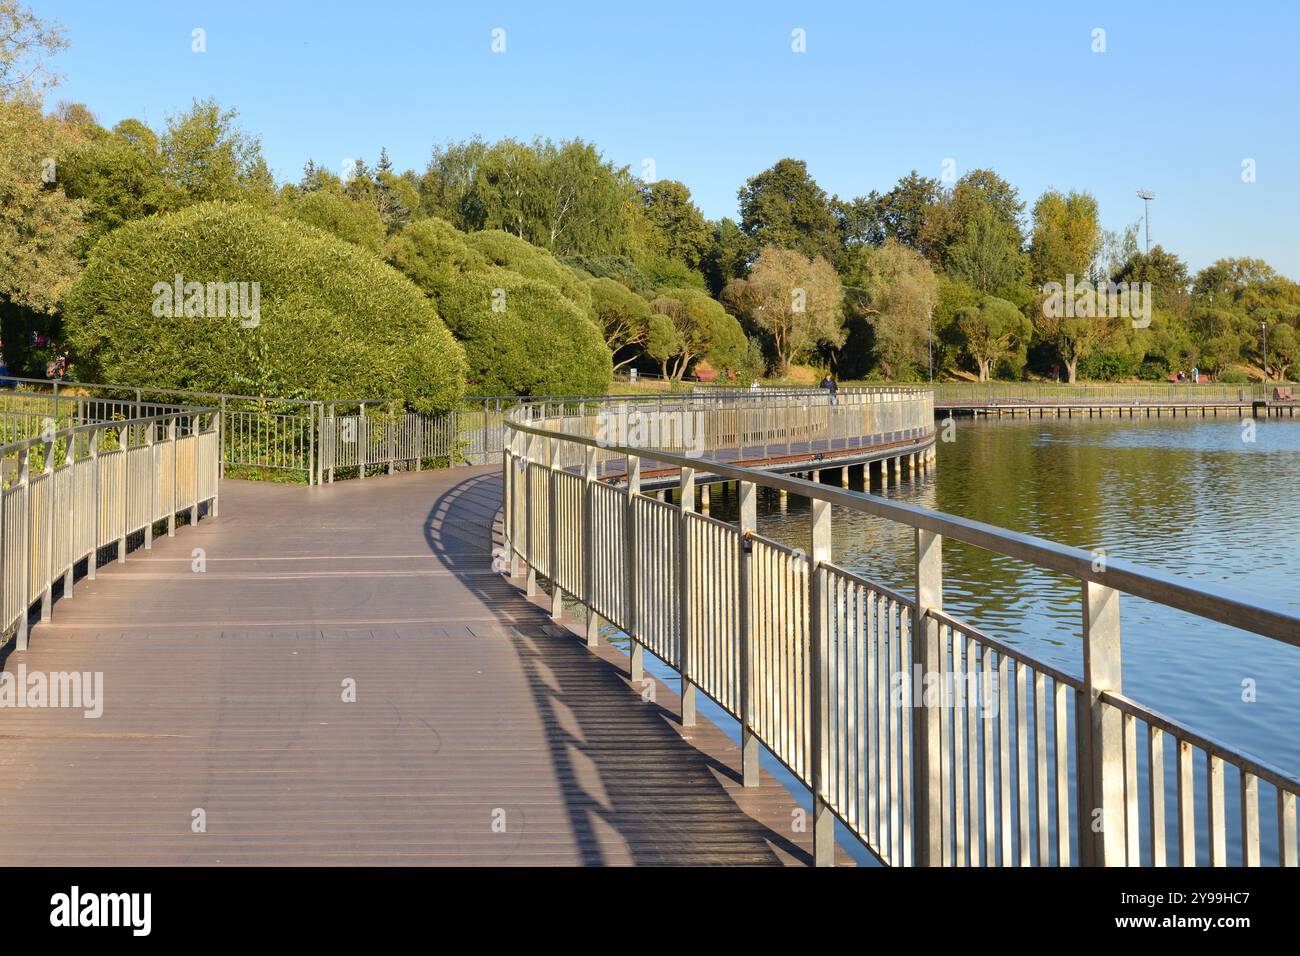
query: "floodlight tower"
1146, 196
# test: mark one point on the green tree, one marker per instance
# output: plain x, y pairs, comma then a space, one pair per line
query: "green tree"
682, 233
205, 157
796, 302
704, 329
987, 257
340, 216
623, 316
40, 225
1066, 237
900, 291
783, 206
26, 42
992, 329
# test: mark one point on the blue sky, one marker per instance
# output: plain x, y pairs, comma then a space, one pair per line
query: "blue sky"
712, 92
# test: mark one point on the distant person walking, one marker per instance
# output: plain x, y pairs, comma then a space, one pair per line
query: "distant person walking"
828, 383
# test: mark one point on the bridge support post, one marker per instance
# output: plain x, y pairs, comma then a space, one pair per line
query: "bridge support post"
927, 782
1102, 819
684, 593
589, 545
636, 665
749, 753
819, 634
553, 495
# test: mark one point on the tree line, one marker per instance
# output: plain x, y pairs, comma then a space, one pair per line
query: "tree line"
518, 243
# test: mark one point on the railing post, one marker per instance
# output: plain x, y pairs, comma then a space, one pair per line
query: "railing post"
530, 545
311, 444
47, 572
333, 448
92, 561
153, 490
1103, 817
173, 437
685, 595
221, 440
124, 445
927, 783
636, 665
24, 548
194, 434
819, 693
749, 752
589, 544
70, 459
553, 503
363, 443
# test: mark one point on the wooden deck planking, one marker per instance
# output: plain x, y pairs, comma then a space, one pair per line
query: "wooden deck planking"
223, 691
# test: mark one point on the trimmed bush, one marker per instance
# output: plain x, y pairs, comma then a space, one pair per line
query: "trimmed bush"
522, 337
517, 255
433, 253
340, 216
332, 320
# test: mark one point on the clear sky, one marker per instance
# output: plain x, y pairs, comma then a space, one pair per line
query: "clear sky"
713, 93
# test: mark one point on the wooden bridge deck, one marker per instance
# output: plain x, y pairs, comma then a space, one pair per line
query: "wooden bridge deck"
223, 692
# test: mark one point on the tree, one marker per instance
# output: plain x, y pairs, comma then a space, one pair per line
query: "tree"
120, 175
901, 292
991, 329
316, 316
797, 302
1066, 237
681, 231
1283, 350
902, 214
783, 206
703, 329
988, 256
623, 316
728, 256
206, 157
25, 43
40, 225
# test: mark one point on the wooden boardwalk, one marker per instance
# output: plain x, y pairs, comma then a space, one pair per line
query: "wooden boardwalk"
481, 732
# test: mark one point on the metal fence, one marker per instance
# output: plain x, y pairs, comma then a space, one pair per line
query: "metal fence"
67, 493
1010, 762
1051, 393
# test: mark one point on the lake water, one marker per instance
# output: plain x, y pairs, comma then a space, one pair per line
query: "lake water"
1186, 496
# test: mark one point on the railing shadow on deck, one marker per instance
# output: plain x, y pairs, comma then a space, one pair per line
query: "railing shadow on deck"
663, 798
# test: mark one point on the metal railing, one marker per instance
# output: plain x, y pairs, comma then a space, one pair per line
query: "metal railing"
1010, 762
1052, 393
67, 493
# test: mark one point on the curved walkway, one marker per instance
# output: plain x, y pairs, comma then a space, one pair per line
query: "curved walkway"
481, 732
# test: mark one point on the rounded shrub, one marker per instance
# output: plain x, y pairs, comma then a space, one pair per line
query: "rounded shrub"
532, 262
265, 306
523, 337
340, 216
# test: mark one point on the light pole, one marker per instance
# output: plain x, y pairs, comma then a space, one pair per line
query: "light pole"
1263, 328
1146, 196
